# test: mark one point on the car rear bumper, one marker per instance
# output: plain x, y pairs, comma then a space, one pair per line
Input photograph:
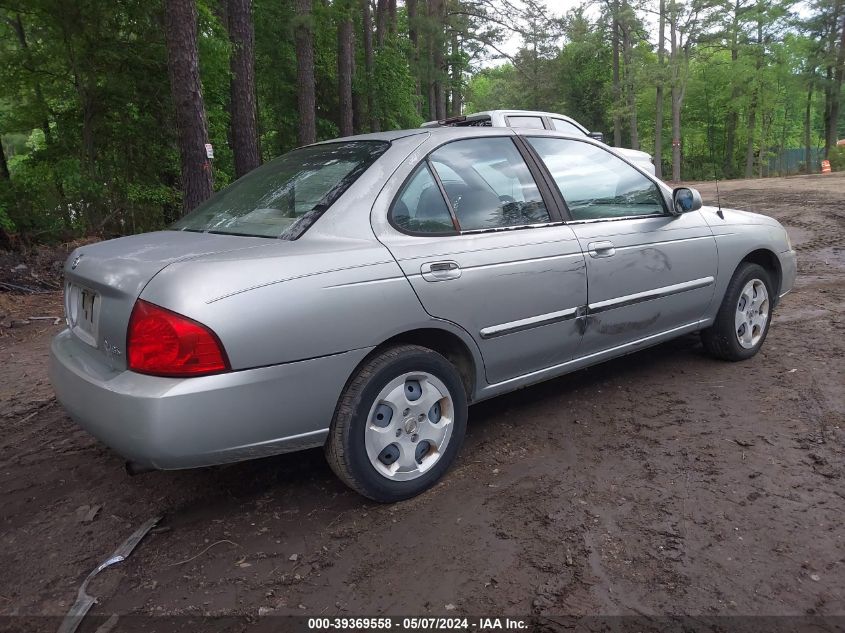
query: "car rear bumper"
172, 423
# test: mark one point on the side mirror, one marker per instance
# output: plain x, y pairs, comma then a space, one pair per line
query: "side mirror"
686, 199
597, 136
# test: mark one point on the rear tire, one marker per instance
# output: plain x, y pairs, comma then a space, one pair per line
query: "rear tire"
743, 320
399, 424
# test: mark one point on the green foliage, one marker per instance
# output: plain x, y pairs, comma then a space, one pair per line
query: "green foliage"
393, 82
837, 158
88, 127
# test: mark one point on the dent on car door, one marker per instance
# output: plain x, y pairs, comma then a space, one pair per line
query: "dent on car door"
649, 272
473, 234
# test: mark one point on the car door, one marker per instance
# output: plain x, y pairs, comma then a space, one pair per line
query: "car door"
473, 233
649, 271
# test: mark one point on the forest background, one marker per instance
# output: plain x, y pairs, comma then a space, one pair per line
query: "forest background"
106, 108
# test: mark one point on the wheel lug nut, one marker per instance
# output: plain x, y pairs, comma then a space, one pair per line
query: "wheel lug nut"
406, 412
421, 417
415, 437
398, 432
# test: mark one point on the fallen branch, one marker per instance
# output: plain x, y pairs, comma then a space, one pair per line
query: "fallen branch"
188, 560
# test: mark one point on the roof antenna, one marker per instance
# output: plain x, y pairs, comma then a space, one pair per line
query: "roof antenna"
710, 143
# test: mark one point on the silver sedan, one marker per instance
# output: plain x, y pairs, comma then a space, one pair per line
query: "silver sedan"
358, 294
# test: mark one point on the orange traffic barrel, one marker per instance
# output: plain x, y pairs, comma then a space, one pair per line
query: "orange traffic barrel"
825, 166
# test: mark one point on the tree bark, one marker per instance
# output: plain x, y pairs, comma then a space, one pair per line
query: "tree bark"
369, 65
457, 77
392, 17
438, 8
732, 120
345, 57
658, 108
381, 22
306, 99
617, 90
627, 55
414, 37
180, 30
677, 95
4, 166
808, 119
243, 120
755, 95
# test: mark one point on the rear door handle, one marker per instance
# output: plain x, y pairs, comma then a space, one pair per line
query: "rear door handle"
601, 249
440, 271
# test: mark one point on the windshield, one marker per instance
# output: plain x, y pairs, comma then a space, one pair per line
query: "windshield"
284, 197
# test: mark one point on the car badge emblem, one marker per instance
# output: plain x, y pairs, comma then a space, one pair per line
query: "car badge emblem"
76, 261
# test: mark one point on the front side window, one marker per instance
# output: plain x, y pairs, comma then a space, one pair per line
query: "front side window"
488, 184
283, 197
534, 122
595, 183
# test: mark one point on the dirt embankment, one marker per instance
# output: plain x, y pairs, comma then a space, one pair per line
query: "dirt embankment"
663, 482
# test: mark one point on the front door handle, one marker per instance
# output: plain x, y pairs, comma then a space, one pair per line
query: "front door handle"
440, 271
601, 249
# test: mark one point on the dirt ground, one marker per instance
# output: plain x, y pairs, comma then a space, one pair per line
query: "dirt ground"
660, 483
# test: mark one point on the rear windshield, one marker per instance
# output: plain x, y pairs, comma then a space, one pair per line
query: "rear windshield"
284, 197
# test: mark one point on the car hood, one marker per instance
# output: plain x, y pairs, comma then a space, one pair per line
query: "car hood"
633, 153
736, 216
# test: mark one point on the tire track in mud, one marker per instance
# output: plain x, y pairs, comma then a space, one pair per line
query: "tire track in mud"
660, 482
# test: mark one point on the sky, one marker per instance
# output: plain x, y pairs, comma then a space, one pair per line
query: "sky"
558, 8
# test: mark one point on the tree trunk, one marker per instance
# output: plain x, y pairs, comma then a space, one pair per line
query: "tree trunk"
755, 95
457, 78
4, 166
392, 17
732, 120
243, 121
677, 96
414, 37
617, 90
304, 39
369, 66
833, 130
658, 108
381, 22
438, 9
180, 30
345, 56
752, 126
17, 25
808, 119
629, 79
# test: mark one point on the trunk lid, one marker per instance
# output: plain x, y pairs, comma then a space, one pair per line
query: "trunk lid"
103, 280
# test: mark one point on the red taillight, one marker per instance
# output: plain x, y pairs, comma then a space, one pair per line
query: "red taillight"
163, 343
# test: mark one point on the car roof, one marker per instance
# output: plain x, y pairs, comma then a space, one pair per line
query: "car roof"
456, 132
484, 114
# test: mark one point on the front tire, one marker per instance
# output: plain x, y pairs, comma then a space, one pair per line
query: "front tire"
399, 424
743, 320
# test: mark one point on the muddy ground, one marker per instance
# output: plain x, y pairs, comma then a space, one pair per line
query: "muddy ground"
663, 482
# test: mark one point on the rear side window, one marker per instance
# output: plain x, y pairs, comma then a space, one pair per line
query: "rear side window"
595, 183
420, 208
488, 184
533, 122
